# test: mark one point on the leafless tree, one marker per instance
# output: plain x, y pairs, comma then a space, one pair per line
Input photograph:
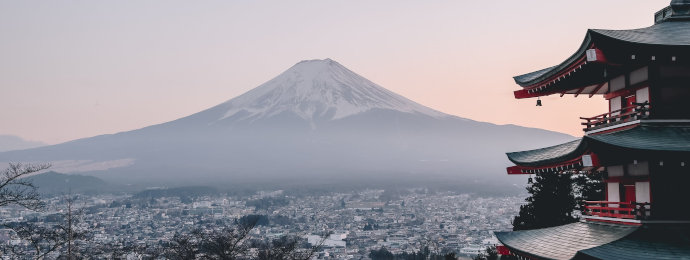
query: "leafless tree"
226, 244
42, 240
15, 189
69, 227
232, 242
183, 246
287, 248
119, 249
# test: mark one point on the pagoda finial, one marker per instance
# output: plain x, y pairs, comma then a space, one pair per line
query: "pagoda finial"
679, 10
680, 7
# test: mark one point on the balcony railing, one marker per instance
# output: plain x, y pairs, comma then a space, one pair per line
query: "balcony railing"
617, 209
626, 114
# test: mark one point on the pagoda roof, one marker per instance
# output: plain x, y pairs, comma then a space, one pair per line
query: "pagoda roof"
526, 78
670, 33
535, 77
585, 73
594, 240
563, 242
648, 137
647, 242
549, 155
645, 137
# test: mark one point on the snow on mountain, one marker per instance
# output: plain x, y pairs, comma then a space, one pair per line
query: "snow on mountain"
364, 131
319, 89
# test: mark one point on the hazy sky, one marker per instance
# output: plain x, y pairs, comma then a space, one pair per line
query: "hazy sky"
73, 69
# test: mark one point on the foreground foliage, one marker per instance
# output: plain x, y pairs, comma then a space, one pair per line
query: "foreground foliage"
554, 198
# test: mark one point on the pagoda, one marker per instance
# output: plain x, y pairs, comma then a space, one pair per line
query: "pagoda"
641, 145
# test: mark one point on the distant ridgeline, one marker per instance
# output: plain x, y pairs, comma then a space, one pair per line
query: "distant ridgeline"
181, 192
317, 123
57, 183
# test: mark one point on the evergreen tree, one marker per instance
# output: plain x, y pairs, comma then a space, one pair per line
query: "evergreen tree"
491, 253
551, 202
381, 254
588, 186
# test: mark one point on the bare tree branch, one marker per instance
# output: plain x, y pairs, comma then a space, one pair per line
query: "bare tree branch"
15, 189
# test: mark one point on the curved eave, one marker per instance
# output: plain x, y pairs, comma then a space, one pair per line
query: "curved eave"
646, 138
667, 34
663, 37
650, 242
562, 242
536, 77
586, 78
549, 155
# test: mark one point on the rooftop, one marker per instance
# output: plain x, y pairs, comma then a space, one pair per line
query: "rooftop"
562, 242
585, 67
646, 137
586, 240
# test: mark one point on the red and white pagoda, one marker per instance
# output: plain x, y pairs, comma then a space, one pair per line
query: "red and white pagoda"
642, 144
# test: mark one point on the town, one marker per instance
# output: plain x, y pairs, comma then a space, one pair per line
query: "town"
344, 225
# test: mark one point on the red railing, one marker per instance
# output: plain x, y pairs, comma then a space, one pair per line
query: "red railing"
630, 113
617, 209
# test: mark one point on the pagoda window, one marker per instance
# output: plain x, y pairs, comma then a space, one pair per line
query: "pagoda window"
640, 75
638, 169
615, 171
615, 105
642, 193
617, 83
642, 95
613, 192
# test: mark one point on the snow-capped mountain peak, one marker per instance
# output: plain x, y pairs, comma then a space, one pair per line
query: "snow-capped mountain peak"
321, 89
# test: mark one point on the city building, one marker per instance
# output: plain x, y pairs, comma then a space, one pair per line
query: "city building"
642, 144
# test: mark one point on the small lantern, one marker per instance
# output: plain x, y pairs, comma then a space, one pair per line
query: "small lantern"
538, 102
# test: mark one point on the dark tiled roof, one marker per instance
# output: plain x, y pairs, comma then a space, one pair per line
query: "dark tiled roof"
537, 76
648, 242
552, 154
667, 33
654, 138
644, 137
670, 33
532, 75
563, 242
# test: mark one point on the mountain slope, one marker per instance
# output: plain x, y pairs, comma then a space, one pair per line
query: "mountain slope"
59, 184
10, 142
321, 89
317, 120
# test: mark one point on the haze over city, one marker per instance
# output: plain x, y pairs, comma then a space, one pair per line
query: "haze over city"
370, 130
70, 70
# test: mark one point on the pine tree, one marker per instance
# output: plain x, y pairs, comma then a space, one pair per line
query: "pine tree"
551, 202
589, 186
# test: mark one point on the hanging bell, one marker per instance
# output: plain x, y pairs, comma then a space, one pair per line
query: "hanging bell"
529, 180
538, 102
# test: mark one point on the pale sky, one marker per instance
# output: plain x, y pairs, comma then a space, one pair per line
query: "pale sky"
74, 69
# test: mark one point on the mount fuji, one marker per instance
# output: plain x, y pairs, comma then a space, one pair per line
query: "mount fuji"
319, 89
313, 92
316, 121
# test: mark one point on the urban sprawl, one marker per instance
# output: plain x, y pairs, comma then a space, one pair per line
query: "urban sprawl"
354, 223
